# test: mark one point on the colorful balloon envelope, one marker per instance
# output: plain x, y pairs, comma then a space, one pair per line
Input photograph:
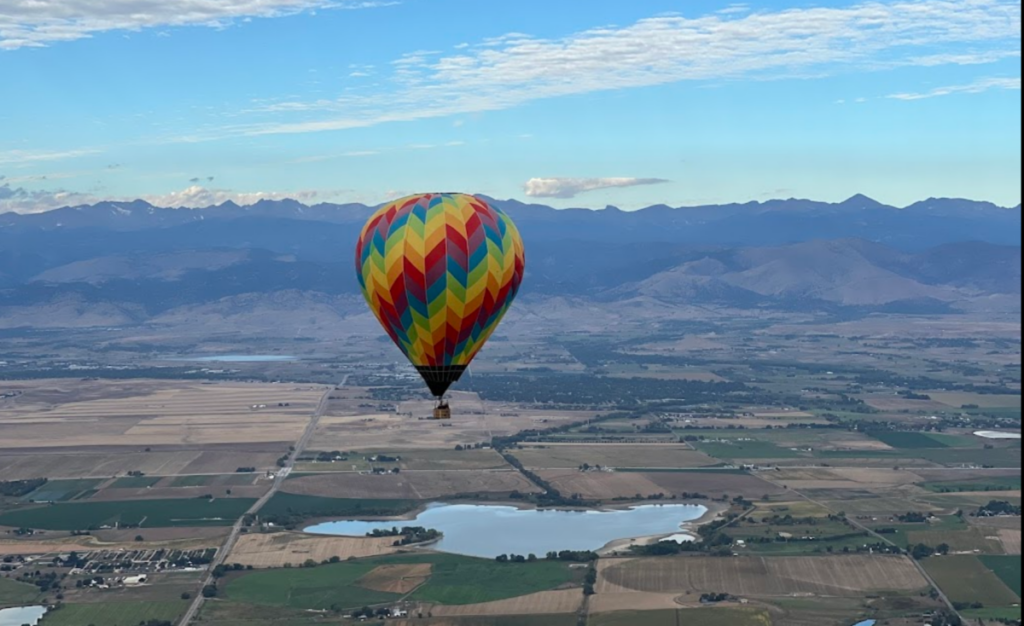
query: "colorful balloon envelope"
440, 271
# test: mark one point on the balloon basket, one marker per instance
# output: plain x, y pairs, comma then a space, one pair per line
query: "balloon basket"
443, 411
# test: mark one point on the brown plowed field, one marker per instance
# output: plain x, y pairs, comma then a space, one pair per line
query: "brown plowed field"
401, 579
171, 493
848, 576
609, 485
276, 550
77, 414
1011, 541
555, 456
544, 603
409, 485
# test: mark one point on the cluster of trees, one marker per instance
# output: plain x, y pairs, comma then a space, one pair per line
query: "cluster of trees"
997, 508
409, 535
923, 551
714, 598
516, 558
45, 581
19, 488
566, 556
222, 570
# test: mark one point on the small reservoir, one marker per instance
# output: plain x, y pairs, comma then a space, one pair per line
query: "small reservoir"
21, 615
488, 531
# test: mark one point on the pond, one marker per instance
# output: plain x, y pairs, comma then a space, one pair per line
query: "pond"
239, 358
18, 616
488, 531
870, 622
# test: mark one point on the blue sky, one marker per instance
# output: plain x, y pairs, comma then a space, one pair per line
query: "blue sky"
193, 102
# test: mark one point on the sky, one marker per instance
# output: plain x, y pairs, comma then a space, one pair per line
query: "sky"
560, 102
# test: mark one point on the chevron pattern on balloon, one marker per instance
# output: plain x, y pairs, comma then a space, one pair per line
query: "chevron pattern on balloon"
440, 271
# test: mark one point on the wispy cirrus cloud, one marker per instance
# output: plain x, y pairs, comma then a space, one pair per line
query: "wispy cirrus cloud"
35, 23
978, 86
507, 71
572, 187
34, 156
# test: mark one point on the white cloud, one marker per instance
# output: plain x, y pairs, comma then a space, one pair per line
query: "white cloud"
978, 86
34, 23
32, 156
966, 58
21, 200
504, 72
571, 187
197, 196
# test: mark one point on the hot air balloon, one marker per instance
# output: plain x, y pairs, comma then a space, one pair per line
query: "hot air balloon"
439, 271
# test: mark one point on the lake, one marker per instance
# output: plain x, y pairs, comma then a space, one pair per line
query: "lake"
238, 358
19, 616
488, 531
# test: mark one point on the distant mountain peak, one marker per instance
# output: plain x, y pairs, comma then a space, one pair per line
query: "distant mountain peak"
860, 201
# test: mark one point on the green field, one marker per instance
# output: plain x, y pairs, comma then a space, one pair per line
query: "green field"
114, 613
148, 513
966, 540
1007, 568
683, 617
225, 613
742, 450
62, 490
13, 593
908, 440
455, 580
314, 506
966, 579
314, 588
460, 580
995, 483
233, 480
135, 482
1008, 457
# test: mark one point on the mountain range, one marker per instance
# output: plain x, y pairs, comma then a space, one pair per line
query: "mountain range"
132, 262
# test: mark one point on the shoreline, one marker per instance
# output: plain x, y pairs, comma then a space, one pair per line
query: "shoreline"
615, 548
521, 506
715, 510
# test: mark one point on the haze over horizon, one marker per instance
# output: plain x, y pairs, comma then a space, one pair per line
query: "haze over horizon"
630, 106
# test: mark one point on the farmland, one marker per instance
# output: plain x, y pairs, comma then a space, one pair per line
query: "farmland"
966, 579
279, 549
143, 513
113, 613
704, 617
848, 576
288, 504
1007, 568
542, 603
409, 485
415, 460
138, 413
827, 433
611, 485
552, 456
453, 581
13, 593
